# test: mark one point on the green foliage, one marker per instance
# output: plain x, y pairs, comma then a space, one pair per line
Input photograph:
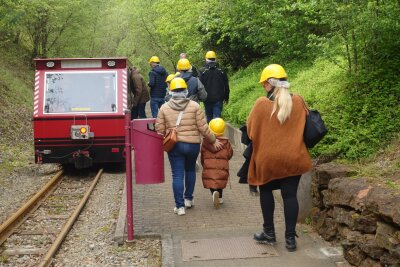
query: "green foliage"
341, 55
15, 111
360, 116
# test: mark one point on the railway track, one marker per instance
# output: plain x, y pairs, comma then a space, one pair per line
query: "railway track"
37, 229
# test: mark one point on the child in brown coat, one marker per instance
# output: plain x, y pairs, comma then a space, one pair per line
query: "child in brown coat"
216, 163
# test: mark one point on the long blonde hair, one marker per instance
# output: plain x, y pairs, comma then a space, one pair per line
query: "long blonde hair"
283, 100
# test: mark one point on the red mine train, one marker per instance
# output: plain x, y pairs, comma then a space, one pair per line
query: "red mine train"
79, 108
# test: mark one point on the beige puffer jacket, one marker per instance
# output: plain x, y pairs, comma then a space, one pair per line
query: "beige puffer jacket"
193, 123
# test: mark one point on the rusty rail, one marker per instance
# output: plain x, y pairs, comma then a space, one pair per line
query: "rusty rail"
7, 228
47, 259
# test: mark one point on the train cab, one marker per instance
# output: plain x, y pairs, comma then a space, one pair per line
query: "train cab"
79, 109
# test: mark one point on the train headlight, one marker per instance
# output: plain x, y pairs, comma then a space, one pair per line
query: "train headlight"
50, 64
83, 130
111, 63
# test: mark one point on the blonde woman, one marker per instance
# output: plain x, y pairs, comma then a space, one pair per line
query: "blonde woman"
275, 126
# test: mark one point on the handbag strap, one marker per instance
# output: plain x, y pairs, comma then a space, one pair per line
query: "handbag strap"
304, 104
178, 121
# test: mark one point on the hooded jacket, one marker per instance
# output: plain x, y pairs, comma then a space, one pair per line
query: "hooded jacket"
215, 81
193, 123
157, 84
139, 88
195, 88
215, 164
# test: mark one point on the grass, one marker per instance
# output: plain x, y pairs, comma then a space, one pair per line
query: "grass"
383, 167
16, 89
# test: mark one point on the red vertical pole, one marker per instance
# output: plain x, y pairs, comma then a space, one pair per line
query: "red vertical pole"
128, 163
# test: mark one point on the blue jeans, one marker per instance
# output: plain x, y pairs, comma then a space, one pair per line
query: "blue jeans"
213, 110
183, 164
138, 111
155, 104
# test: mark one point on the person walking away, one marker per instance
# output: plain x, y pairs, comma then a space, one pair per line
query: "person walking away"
196, 90
183, 156
157, 76
193, 69
140, 95
215, 81
279, 158
215, 163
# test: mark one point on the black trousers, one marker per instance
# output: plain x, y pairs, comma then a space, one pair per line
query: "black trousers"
288, 188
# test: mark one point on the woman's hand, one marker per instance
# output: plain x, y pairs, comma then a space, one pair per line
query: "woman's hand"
218, 145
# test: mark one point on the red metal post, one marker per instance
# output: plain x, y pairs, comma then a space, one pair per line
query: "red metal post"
128, 162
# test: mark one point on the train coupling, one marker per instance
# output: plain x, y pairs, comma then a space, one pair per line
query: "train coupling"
82, 159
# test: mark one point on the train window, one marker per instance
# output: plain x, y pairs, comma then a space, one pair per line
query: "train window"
67, 92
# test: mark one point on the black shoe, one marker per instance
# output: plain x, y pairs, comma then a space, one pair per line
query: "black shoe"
291, 243
265, 238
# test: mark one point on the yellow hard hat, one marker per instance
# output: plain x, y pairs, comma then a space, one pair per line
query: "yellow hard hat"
183, 64
177, 83
217, 126
272, 71
170, 77
211, 55
154, 59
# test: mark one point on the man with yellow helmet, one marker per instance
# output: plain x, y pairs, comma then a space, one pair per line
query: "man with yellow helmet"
196, 90
157, 76
216, 83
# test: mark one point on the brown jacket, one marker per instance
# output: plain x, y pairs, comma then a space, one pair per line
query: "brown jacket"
139, 88
278, 150
215, 164
193, 123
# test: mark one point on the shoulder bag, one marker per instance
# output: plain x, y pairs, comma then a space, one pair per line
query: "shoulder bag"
314, 129
170, 138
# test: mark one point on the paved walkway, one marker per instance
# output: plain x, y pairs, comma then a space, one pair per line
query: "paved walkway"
238, 217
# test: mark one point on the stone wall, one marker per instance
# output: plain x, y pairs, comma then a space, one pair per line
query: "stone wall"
363, 218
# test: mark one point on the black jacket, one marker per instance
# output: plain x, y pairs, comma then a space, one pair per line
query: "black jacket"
215, 81
157, 84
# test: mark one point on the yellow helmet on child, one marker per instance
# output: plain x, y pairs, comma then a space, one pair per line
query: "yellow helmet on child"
154, 59
183, 64
170, 77
211, 55
177, 83
272, 71
217, 126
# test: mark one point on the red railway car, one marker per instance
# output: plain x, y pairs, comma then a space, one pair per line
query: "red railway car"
78, 112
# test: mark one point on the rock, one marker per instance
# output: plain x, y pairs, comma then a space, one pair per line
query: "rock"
355, 221
368, 244
388, 259
384, 202
348, 192
368, 262
354, 255
325, 172
387, 237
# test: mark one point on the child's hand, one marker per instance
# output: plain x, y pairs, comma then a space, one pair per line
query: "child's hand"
218, 145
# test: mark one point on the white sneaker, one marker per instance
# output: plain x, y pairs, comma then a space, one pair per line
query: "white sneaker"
189, 203
221, 200
215, 197
180, 211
